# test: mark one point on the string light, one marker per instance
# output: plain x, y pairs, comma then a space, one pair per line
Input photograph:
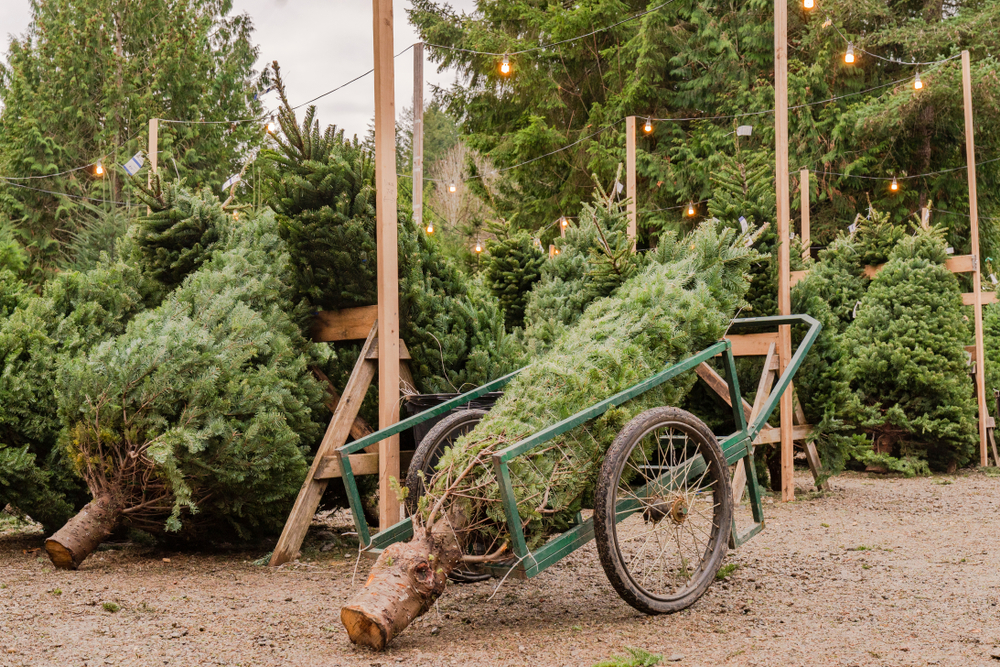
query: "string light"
564, 222
430, 227
648, 127
272, 127
505, 66
849, 56
555, 251
452, 188
691, 210
895, 185
99, 169
917, 83
479, 247
808, 4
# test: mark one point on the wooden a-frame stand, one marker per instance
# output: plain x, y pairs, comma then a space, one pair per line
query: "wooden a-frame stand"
340, 326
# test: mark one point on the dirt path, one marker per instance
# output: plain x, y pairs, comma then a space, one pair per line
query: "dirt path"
876, 572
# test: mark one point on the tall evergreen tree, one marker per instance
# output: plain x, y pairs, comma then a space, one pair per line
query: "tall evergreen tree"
513, 266
80, 85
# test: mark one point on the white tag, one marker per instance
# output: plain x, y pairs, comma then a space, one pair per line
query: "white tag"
852, 228
743, 224
744, 130
133, 166
791, 235
233, 180
854, 313
993, 278
949, 250
619, 187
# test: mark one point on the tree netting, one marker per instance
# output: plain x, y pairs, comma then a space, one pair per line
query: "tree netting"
681, 303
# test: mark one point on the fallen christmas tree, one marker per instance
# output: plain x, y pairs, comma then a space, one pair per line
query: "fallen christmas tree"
682, 302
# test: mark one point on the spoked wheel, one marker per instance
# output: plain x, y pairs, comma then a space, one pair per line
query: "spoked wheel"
663, 510
425, 458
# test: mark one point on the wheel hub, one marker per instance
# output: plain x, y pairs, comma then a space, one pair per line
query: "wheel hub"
678, 510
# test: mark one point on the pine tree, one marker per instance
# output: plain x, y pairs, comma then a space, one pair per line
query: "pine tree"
197, 417
908, 364
513, 266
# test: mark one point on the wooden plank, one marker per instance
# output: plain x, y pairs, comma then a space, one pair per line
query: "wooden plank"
870, 271
388, 261
795, 277
406, 382
359, 427
783, 215
630, 177
993, 443
404, 353
336, 434
153, 153
361, 464
348, 324
418, 134
752, 345
718, 384
804, 204
770, 435
961, 264
764, 385
969, 299
812, 456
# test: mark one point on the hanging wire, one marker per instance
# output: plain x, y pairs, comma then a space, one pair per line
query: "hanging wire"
901, 178
890, 60
550, 45
66, 194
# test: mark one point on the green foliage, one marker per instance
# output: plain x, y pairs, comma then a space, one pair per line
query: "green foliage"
907, 362
80, 85
711, 60
200, 412
97, 236
12, 255
991, 347
666, 312
513, 266
179, 234
636, 657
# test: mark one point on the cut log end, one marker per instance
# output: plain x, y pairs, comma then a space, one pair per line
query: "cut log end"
60, 556
363, 629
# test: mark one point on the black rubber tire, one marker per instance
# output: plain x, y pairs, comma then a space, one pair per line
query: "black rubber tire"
429, 451
606, 529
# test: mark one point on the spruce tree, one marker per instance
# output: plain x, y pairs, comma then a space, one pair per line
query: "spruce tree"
908, 368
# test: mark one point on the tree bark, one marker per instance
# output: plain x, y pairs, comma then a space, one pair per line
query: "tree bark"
403, 584
83, 533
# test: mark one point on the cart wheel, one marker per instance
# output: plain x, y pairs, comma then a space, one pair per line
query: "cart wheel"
663, 510
430, 449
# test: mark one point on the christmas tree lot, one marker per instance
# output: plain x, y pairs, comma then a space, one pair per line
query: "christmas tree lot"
678, 304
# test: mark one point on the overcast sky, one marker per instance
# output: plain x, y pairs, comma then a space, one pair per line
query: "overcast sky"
319, 45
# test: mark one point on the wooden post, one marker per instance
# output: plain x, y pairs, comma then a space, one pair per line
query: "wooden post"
784, 267
630, 177
387, 251
418, 134
970, 156
925, 217
804, 198
153, 153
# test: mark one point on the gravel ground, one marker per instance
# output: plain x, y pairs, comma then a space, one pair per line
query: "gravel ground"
877, 571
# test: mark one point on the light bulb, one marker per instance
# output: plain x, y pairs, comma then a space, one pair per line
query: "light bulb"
563, 221
917, 83
452, 188
895, 185
690, 209
556, 251
479, 247
648, 127
849, 56
505, 66
430, 228
272, 127
99, 169
808, 4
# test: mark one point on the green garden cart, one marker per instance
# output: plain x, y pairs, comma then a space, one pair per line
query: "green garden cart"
663, 511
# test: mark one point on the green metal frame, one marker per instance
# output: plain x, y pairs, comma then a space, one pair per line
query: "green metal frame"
529, 563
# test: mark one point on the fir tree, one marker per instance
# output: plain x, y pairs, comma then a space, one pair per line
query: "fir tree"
908, 364
513, 266
197, 417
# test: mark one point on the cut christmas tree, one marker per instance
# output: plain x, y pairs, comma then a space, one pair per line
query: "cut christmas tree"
680, 304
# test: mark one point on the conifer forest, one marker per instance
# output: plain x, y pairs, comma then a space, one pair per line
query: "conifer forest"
694, 304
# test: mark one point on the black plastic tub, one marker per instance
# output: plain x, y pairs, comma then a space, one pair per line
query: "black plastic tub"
417, 403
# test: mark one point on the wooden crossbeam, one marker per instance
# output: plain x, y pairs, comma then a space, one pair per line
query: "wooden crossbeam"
361, 464
330, 326
751, 345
